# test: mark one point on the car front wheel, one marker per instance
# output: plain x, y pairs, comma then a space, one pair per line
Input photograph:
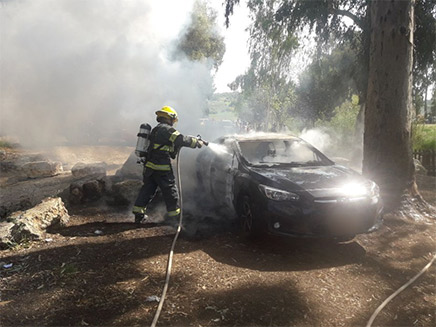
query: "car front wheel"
251, 226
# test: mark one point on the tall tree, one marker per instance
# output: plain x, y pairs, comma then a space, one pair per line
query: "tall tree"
201, 41
350, 20
387, 140
433, 107
266, 85
326, 83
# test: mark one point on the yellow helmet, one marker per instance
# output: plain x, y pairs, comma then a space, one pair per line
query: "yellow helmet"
167, 112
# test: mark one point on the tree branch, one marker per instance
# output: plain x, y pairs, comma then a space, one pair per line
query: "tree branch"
357, 20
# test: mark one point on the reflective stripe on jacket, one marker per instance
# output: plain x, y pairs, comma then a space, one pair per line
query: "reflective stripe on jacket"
166, 141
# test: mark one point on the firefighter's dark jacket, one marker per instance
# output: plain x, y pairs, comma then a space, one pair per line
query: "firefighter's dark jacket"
165, 142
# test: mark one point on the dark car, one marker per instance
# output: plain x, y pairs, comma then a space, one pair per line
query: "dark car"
283, 185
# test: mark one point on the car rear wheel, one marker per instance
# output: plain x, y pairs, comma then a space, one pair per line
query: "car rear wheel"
250, 223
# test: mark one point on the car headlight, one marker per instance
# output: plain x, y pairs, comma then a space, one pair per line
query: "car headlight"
354, 190
358, 191
277, 195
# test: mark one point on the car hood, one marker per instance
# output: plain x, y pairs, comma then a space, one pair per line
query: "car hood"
324, 181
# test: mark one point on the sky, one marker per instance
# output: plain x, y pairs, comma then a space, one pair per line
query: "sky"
236, 59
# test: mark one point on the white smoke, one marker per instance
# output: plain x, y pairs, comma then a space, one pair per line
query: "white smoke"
330, 143
83, 71
317, 137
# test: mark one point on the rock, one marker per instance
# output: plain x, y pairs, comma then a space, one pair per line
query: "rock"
3, 155
38, 169
130, 169
6, 239
125, 192
81, 170
86, 191
76, 193
32, 224
93, 190
7, 166
419, 168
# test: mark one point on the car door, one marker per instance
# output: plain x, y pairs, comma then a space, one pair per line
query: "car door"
221, 181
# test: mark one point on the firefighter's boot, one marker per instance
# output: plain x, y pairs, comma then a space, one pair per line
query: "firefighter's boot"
138, 218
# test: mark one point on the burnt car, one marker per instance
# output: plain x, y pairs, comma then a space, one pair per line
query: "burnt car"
283, 185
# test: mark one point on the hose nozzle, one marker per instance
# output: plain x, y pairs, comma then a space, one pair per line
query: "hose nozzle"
206, 143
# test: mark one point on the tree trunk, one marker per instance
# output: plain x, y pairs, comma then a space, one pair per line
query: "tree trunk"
387, 155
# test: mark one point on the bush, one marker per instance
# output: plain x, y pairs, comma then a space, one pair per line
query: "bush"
342, 125
6, 144
423, 135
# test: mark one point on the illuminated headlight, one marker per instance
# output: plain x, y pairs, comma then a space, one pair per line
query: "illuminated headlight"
358, 191
277, 195
354, 190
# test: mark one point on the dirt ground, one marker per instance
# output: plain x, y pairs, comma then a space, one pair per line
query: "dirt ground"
77, 277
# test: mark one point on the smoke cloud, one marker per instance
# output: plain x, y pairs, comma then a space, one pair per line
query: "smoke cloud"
86, 71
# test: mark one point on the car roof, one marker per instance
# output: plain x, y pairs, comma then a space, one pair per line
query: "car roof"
260, 136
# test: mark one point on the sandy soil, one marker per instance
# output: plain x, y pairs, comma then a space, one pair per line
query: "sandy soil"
78, 278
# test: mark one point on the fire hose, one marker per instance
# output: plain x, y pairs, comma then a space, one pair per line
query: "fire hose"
179, 228
402, 288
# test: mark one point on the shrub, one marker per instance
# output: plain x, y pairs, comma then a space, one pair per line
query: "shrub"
342, 125
423, 135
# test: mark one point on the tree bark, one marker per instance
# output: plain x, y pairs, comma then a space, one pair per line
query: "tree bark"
388, 158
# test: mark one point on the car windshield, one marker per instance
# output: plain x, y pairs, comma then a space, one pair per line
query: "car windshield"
288, 152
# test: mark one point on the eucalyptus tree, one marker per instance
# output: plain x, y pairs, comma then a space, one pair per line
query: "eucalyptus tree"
326, 83
347, 22
201, 41
266, 85
387, 141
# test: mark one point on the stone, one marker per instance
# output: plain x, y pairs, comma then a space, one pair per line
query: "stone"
125, 192
82, 170
8, 166
38, 169
93, 190
32, 223
86, 191
6, 239
131, 169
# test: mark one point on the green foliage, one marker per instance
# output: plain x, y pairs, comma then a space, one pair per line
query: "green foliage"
221, 106
326, 20
433, 104
267, 95
424, 43
342, 123
6, 144
201, 42
326, 83
423, 135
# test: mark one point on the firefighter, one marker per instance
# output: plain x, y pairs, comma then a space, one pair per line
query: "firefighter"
165, 144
